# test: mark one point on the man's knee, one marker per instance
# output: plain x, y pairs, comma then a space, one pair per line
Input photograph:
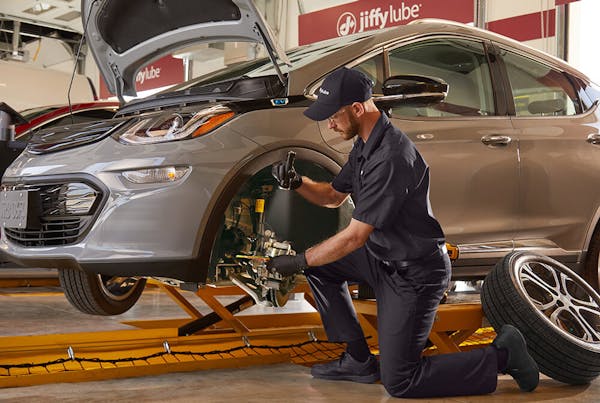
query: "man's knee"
398, 381
397, 387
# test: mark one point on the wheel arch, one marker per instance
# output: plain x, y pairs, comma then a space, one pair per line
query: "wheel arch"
592, 227
236, 178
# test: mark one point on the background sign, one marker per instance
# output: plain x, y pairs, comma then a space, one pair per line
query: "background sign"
160, 73
367, 15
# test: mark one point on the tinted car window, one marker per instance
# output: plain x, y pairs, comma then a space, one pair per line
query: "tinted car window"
539, 90
593, 92
461, 63
373, 68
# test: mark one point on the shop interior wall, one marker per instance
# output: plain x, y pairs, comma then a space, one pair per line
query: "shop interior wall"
283, 16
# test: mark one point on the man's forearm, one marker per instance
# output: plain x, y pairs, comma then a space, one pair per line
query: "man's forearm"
319, 193
333, 248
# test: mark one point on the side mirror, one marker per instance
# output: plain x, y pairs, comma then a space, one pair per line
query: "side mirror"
8, 119
412, 90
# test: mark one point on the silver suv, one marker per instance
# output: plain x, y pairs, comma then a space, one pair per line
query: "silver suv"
178, 185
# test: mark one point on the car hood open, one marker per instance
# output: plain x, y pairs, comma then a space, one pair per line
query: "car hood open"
125, 36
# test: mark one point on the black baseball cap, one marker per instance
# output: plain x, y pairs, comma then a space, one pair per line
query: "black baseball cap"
342, 87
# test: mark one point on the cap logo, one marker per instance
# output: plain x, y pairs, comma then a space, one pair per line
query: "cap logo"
324, 92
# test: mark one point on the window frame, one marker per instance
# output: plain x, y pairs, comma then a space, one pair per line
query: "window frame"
499, 109
579, 106
384, 49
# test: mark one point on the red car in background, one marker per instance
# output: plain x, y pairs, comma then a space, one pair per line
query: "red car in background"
58, 115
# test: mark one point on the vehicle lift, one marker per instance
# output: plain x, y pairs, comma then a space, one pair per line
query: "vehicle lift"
220, 339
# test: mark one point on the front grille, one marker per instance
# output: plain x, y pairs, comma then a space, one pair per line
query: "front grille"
58, 213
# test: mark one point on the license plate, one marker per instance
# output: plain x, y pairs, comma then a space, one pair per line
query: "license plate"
13, 208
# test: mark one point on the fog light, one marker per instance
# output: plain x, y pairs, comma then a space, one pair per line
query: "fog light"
156, 175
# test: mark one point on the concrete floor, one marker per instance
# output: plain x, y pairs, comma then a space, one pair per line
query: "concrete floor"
45, 310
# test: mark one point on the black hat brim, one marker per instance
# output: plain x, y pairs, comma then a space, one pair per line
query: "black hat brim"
321, 111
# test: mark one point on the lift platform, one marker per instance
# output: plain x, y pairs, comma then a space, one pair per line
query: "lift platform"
220, 339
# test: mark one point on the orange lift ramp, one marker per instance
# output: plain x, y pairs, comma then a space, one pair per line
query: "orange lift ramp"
220, 339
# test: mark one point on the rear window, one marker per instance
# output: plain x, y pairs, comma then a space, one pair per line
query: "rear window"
538, 89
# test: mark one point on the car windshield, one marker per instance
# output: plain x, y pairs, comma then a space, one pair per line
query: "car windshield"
299, 57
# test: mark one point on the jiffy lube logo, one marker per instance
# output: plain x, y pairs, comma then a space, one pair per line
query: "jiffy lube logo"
376, 18
346, 24
148, 73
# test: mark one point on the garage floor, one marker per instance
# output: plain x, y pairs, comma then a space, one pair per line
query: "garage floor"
45, 310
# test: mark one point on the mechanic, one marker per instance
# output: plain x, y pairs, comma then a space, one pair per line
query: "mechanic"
394, 244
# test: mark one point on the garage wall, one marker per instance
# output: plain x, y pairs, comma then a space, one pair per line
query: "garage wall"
532, 22
583, 38
50, 53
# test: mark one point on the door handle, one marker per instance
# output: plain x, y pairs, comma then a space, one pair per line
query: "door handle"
593, 138
496, 140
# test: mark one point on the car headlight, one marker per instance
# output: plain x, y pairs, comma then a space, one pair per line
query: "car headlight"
163, 127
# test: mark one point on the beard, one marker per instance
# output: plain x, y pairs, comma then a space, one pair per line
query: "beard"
352, 130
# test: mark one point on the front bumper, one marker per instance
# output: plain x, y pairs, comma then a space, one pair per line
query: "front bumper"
136, 229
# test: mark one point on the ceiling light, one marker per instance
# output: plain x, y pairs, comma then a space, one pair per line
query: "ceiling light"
70, 16
39, 8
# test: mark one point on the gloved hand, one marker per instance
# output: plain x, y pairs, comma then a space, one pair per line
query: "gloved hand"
285, 173
286, 265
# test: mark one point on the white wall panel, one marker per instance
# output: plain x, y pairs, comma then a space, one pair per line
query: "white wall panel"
501, 9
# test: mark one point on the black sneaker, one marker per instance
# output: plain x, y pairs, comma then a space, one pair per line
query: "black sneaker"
348, 369
519, 365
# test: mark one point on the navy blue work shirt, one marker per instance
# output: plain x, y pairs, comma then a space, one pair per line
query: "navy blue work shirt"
389, 183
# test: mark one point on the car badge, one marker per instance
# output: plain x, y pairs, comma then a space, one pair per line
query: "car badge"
279, 101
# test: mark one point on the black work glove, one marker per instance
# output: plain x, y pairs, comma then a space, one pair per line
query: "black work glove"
286, 265
288, 178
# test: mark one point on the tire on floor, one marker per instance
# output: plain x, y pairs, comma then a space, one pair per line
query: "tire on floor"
555, 309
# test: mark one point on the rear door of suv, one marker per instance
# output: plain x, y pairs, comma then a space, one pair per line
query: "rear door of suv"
559, 166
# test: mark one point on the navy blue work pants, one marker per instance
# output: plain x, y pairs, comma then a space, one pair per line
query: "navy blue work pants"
407, 300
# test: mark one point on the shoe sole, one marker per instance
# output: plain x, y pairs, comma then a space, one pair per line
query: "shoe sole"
353, 378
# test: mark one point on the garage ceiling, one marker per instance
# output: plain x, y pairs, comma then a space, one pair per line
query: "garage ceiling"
59, 19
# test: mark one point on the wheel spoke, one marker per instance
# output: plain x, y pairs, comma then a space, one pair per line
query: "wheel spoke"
574, 299
590, 328
589, 333
578, 302
528, 275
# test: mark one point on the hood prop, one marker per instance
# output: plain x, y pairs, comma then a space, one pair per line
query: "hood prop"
119, 84
272, 55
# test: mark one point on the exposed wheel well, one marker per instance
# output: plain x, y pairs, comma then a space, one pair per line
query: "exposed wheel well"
258, 169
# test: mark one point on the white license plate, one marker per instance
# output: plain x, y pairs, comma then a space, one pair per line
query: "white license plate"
13, 208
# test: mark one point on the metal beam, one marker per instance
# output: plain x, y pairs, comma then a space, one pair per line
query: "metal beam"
29, 30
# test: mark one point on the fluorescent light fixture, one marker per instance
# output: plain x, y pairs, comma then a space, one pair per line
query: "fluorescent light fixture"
70, 16
39, 8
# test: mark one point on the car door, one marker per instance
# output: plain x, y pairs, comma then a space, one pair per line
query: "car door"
559, 163
466, 140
